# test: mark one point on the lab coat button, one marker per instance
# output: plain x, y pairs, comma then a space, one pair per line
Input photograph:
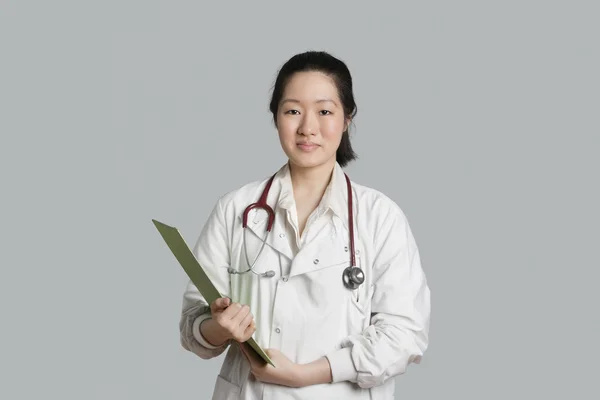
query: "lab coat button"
285, 279
316, 261
278, 330
282, 235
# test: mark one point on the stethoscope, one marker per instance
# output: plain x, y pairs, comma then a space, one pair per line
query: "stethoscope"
352, 277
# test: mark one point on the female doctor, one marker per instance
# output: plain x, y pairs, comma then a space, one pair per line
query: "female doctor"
328, 280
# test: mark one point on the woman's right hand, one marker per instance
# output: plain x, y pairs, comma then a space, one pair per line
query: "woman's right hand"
232, 320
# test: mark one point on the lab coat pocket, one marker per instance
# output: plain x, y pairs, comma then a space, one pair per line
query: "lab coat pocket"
330, 281
225, 390
331, 312
328, 296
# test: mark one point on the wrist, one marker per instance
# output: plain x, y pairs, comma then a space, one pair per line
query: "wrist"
314, 373
213, 333
300, 376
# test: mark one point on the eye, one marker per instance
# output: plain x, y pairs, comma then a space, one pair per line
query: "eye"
293, 112
325, 112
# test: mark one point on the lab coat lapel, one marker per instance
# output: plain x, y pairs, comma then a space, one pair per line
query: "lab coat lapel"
328, 249
257, 223
258, 218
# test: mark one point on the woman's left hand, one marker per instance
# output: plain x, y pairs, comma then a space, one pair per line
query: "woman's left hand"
287, 373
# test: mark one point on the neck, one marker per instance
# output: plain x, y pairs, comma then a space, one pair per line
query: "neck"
311, 180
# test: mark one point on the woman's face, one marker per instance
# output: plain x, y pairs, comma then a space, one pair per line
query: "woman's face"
310, 120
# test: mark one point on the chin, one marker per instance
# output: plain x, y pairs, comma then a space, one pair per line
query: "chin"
306, 161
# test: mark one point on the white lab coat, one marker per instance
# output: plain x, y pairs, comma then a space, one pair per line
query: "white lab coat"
369, 336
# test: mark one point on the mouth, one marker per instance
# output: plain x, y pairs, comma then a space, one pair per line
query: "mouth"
307, 146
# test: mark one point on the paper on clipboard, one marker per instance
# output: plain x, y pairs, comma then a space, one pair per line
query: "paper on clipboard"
192, 267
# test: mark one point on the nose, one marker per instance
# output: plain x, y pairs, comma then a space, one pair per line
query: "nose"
308, 126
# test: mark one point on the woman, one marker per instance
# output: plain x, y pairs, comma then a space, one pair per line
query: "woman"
329, 336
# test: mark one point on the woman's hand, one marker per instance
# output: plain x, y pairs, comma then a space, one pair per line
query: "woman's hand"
286, 373
228, 321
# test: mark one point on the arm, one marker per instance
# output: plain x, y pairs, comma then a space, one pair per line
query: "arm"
398, 334
212, 252
287, 373
314, 373
212, 333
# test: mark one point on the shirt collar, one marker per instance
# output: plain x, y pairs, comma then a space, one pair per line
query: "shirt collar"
335, 197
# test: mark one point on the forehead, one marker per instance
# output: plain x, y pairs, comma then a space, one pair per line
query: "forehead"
310, 86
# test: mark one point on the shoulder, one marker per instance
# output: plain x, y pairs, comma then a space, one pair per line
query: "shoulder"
238, 198
383, 220
250, 192
378, 211
376, 201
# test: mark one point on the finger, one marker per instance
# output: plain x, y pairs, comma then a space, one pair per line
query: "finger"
249, 331
239, 317
221, 303
247, 321
231, 311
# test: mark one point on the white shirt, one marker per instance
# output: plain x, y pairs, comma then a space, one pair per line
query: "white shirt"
369, 335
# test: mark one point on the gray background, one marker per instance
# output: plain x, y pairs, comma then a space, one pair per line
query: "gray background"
479, 118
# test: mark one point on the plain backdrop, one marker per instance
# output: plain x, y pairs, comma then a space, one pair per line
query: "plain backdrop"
479, 118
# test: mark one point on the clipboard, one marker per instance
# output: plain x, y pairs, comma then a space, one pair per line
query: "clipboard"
190, 264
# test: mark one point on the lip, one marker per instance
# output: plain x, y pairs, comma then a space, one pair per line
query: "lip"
307, 146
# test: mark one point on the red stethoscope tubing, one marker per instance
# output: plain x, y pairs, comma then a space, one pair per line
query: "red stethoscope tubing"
262, 204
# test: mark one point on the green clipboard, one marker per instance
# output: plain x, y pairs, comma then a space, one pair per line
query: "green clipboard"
190, 264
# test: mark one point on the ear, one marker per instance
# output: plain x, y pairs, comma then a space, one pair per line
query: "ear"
347, 124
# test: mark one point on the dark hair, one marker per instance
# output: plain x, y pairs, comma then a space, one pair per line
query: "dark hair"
327, 64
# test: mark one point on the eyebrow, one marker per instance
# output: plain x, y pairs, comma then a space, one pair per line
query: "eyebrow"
318, 101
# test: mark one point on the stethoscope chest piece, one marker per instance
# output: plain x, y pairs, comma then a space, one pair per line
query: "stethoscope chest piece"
353, 277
